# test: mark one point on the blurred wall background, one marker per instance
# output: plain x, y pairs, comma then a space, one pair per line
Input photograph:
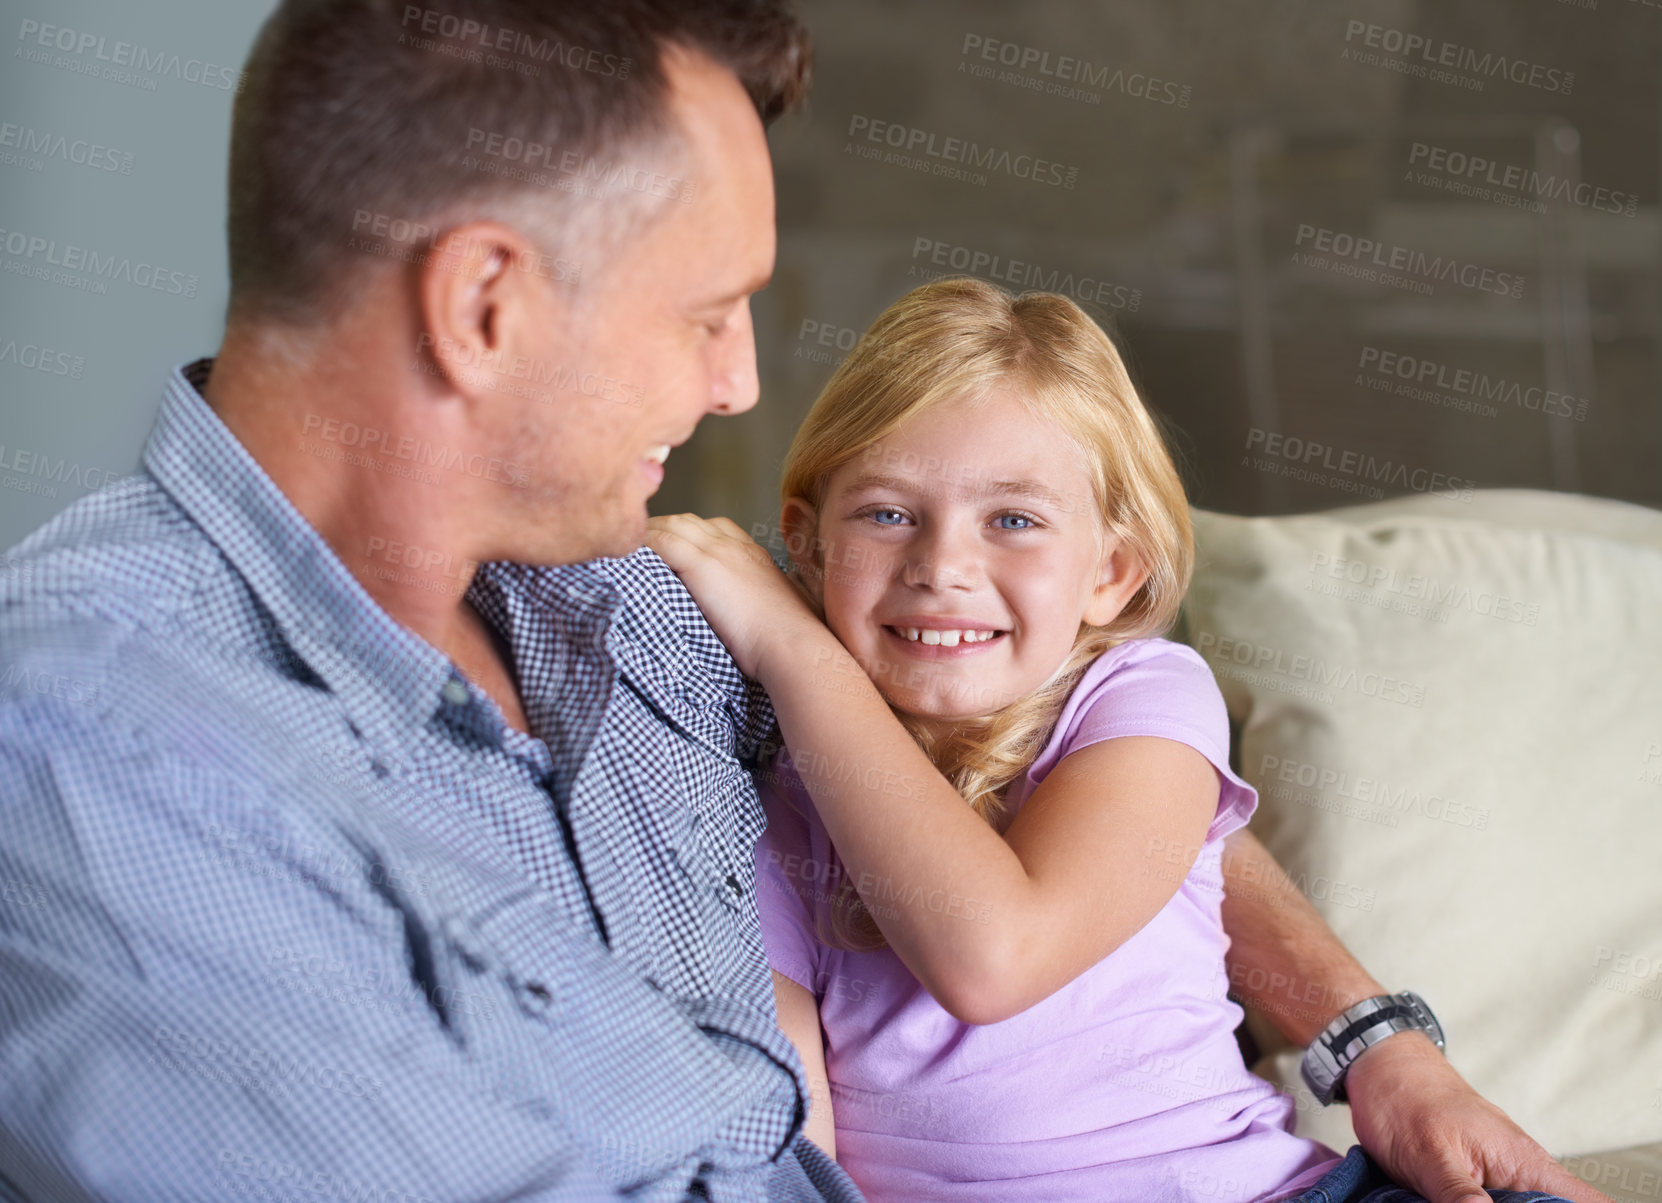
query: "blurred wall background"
1213, 162
1349, 249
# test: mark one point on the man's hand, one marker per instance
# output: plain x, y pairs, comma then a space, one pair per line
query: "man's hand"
1412, 1111
1420, 1120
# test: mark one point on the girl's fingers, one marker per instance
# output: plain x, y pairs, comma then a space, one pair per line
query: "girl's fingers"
716, 538
677, 526
663, 543
669, 522
673, 546
704, 533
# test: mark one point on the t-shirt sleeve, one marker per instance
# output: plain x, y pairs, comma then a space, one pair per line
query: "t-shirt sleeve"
788, 873
1166, 691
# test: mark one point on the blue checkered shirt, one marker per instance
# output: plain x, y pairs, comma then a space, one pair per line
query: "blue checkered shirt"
288, 911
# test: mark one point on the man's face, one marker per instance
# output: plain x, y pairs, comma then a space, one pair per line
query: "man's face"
657, 336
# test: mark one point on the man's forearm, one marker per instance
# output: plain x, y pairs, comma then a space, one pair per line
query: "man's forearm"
1284, 960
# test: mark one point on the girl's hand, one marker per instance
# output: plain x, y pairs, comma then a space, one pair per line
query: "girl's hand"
753, 608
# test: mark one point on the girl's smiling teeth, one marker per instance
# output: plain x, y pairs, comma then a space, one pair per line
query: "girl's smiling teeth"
945, 637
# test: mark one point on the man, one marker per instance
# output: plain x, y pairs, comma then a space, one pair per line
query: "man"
376, 835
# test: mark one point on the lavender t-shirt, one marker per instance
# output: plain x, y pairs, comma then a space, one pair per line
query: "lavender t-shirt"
1126, 1084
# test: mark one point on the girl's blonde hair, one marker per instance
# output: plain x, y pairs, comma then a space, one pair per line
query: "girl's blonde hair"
958, 338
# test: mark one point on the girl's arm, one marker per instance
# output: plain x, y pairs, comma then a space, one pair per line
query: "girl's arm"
799, 1020
988, 924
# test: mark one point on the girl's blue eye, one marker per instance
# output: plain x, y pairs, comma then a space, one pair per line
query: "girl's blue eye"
1022, 518
878, 517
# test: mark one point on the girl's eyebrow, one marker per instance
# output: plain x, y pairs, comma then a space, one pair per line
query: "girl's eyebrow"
880, 480
1031, 489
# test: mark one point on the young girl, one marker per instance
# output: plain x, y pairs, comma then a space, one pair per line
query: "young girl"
991, 895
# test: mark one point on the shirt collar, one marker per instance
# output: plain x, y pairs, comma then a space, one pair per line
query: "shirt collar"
390, 680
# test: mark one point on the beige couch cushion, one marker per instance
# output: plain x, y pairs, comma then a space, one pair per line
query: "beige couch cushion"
1453, 714
1626, 1175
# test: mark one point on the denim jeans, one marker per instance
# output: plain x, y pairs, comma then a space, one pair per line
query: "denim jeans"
1357, 1179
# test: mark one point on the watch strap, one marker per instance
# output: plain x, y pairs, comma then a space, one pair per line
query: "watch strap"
1355, 1030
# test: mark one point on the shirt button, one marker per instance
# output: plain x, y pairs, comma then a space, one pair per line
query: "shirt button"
455, 691
535, 998
733, 884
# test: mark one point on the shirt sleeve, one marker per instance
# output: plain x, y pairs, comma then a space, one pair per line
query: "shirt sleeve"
789, 876
1168, 691
183, 1022
652, 585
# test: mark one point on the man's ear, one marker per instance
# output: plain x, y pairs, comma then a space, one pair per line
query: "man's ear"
476, 303
1122, 573
799, 524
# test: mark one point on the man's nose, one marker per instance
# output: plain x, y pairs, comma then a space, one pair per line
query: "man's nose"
734, 384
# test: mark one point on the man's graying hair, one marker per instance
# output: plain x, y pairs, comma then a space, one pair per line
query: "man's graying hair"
354, 106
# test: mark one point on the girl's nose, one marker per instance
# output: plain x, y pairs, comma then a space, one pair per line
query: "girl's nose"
935, 566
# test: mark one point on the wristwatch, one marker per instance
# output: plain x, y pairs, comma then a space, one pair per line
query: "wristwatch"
1357, 1029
